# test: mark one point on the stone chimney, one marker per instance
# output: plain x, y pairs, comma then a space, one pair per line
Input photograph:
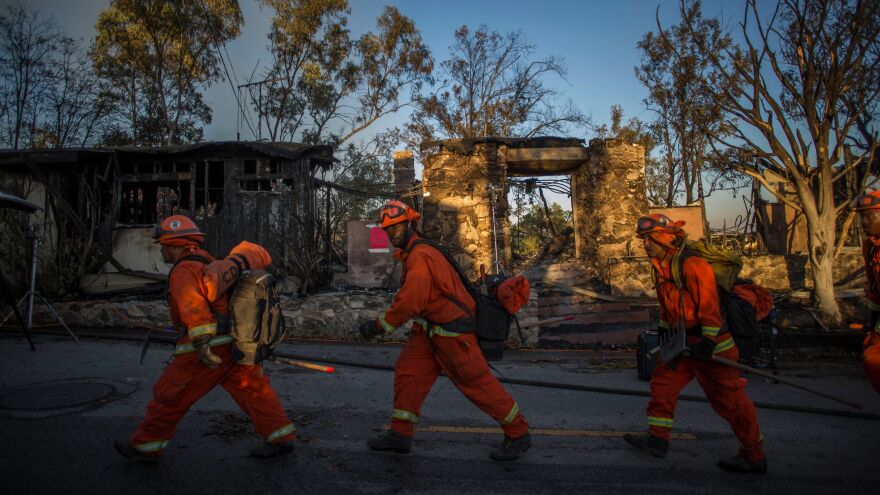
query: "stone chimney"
608, 197
404, 175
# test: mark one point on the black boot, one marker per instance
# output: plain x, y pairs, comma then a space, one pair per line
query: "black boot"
267, 450
739, 464
392, 441
651, 444
511, 448
124, 447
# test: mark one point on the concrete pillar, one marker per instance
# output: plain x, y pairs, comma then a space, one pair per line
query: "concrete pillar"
404, 175
608, 197
456, 207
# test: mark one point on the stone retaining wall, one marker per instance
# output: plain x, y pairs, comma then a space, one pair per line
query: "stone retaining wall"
632, 277
333, 315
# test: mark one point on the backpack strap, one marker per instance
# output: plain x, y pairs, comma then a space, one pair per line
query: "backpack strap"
677, 263
192, 257
223, 321
458, 270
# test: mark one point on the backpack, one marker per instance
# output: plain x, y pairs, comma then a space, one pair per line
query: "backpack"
724, 263
492, 319
255, 318
739, 314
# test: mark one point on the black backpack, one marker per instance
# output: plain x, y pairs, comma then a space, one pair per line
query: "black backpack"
492, 320
737, 314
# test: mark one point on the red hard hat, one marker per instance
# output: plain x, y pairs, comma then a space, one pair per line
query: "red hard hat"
395, 212
870, 200
177, 226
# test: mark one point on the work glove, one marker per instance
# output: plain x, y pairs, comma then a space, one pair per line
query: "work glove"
203, 352
703, 350
369, 329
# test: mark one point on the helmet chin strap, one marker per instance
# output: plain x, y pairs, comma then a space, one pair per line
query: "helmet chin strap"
665, 246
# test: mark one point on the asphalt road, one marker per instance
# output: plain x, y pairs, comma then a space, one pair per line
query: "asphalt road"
576, 449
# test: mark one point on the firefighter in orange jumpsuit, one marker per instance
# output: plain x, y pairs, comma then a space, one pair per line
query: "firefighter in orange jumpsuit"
202, 357
868, 206
442, 339
696, 305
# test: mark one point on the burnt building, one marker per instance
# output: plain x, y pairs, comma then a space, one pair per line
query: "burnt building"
110, 199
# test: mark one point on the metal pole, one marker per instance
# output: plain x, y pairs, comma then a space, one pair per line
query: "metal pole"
749, 369
33, 285
497, 264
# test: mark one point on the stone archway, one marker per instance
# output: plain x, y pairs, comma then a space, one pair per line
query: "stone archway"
608, 195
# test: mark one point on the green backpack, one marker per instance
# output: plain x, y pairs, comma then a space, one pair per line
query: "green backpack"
724, 263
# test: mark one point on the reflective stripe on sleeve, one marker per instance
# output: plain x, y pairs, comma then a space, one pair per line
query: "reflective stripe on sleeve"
438, 330
664, 324
386, 327
151, 447
711, 331
724, 345
511, 415
405, 416
434, 329
215, 341
661, 422
206, 329
873, 306
281, 432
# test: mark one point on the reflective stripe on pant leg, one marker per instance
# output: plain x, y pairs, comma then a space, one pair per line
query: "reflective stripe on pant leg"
666, 383
253, 392
151, 447
285, 430
181, 384
661, 422
466, 367
725, 390
414, 374
405, 416
511, 415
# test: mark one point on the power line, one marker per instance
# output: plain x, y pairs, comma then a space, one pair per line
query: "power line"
216, 37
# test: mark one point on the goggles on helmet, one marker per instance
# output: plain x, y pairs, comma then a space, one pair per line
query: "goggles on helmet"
395, 212
390, 213
650, 224
868, 201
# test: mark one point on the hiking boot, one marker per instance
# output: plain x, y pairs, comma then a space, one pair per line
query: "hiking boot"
511, 448
739, 464
651, 444
392, 441
124, 447
267, 450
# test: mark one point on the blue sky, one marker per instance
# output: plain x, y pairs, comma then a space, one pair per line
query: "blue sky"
596, 38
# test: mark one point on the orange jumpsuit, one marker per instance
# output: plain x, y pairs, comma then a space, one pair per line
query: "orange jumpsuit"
725, 389
185, 379
871, 345
443, 339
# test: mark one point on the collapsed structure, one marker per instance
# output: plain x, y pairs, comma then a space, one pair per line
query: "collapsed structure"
112, 197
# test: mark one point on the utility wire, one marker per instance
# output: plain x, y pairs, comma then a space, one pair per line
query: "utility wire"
217, 45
